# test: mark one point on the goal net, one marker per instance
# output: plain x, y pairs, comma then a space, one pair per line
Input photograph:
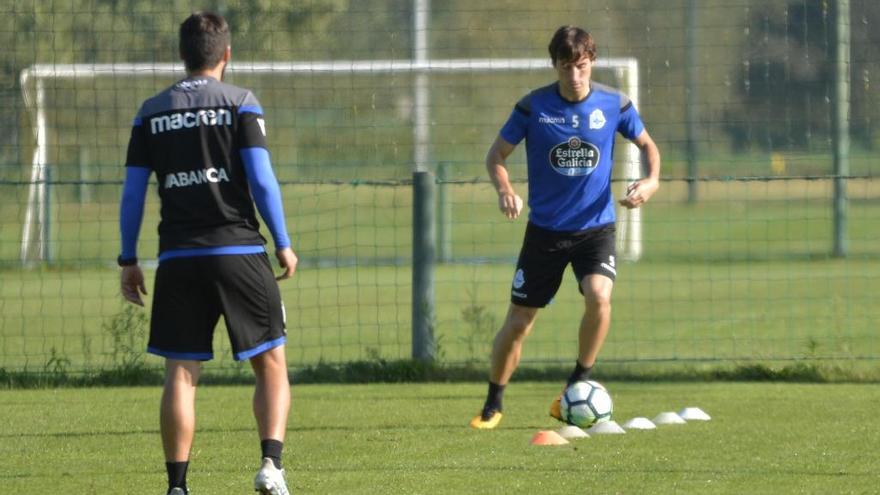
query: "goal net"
330, 121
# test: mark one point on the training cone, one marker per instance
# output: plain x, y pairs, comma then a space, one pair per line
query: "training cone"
639, 423
572, 431
606, 428
548, 437
669, 418
694, 414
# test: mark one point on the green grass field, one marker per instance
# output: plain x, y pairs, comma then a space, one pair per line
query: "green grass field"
764, 438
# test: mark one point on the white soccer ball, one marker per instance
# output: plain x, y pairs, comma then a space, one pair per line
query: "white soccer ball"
585, 404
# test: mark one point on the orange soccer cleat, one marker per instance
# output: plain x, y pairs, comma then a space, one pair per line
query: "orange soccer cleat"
556, 408
485, 421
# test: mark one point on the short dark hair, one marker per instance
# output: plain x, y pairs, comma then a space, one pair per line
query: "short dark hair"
204, 37
570, 43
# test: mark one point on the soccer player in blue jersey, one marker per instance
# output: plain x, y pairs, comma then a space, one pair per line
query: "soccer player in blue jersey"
206, 143
569, 127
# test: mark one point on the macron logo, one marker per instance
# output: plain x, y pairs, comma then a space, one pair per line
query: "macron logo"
196, 177
188, 120
547, 119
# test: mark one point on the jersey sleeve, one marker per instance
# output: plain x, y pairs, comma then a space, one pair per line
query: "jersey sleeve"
131, 208
138, 154
251, 125
134, 190
630, 124
258, 167
517, 124
266, 193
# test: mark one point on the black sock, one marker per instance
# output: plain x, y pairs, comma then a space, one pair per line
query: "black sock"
272, 450
176, 474
580, 373
493, 400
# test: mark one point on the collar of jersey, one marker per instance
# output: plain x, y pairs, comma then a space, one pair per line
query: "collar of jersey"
585, 98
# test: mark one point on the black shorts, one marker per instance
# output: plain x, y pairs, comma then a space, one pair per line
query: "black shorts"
192, 293
545, 254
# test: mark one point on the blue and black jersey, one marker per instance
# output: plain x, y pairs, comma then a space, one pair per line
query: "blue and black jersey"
206, 143
569, 151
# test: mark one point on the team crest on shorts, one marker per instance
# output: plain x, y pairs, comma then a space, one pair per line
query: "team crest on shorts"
519, 279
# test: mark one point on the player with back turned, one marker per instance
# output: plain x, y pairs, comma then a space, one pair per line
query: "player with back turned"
206, 143
569, 127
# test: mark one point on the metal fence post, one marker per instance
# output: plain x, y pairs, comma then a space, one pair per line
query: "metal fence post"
840, 123
423, 267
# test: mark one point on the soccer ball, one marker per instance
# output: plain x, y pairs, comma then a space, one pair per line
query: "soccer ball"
586, 403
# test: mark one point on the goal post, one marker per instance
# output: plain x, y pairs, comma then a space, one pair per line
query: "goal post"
35, 238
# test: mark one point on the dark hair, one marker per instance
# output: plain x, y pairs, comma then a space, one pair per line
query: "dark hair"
204, 37
570, 43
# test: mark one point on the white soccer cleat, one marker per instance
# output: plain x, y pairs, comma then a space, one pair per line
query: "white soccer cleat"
270, 480
177, 491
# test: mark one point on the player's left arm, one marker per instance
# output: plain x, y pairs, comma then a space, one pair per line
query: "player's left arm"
267, 196
640, 191
131, 213
263, 184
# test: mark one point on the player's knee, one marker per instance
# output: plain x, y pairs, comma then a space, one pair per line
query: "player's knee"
270, 361
599, 301
519, 322
182, 372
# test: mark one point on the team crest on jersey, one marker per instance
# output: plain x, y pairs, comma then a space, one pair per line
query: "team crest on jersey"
597, 119
574, 157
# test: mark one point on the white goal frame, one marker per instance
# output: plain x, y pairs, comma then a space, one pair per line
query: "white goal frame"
33, 89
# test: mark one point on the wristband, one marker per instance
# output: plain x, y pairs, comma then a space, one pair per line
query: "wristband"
127, 261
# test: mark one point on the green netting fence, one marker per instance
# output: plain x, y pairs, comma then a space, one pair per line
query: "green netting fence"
761, 244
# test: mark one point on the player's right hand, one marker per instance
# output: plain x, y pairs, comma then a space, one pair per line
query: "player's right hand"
132, 284
288, 260
510, 204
